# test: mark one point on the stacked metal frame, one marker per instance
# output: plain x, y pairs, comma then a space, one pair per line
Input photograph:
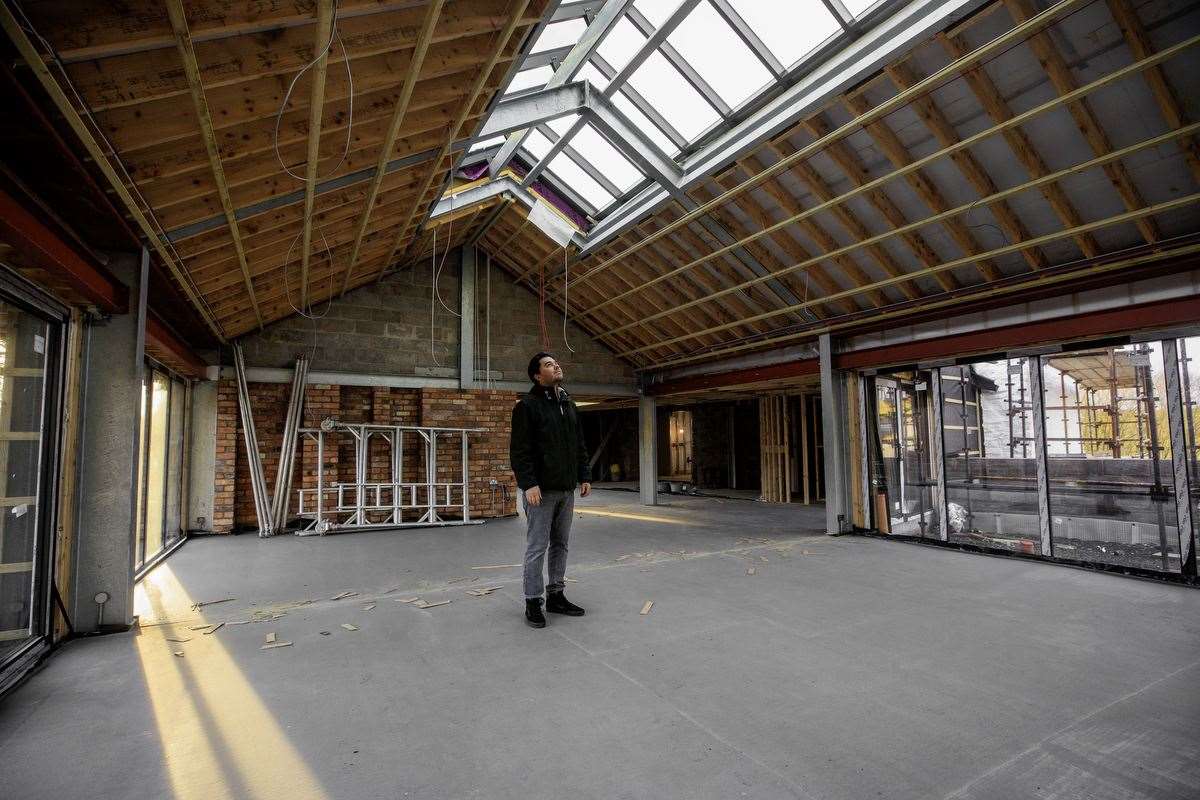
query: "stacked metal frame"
287, 449
364, 504
258, 481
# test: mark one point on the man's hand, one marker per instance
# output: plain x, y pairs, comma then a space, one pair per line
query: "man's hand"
533, 495
585, 489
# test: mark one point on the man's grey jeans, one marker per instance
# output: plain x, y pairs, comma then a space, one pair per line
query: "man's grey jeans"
549, 529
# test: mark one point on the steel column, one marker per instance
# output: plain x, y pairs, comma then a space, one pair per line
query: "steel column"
1179, 457
648, 450
1038, 398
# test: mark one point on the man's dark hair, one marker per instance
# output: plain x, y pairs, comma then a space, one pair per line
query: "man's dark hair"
535, 365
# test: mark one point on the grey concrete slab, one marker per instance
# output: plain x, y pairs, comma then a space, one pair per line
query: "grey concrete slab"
842, 668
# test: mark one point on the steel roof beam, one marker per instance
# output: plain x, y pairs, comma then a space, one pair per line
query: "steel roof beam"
567, 70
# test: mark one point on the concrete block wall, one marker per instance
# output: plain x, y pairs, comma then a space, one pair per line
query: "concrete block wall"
487, 452
384, 329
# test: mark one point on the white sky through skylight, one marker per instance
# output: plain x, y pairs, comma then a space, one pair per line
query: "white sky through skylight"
718, 57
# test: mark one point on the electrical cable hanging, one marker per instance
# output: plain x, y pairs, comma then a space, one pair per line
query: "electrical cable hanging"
334, 33
287, 289
432, 301
566, 306
438, 271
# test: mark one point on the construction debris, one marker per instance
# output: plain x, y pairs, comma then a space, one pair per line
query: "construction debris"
499, 566
570, 580
407, 599
751, 571
323, 633
178, 641
198, 606
342, 595
368, 607
201, 627
646, 608
349, 627
459, 579
275, 645
214, 628
271, 637
423, 604
179, 653
483, 592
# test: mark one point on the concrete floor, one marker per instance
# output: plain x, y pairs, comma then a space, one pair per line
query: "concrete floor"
844, 668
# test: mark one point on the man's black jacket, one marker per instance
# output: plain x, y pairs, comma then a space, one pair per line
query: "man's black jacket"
547, 447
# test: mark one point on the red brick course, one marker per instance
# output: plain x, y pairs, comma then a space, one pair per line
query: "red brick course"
490, 410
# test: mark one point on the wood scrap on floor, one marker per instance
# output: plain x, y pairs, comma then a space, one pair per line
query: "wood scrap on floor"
197, 606
484, 591
369, 607
275, 645
178, 641
349, 627
214, 629
751, 571
271, 637
323, 633
343, 595
570, 580
457, 579
646, 608
201, 627
423, 604
499, 566
407, 599
179, 653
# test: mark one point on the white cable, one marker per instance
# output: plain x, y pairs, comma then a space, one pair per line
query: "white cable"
334, 33
438, 271
432, 295
566, 307
287, 289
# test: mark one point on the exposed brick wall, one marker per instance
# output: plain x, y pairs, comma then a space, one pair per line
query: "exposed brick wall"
384, 329
487, 451
227, 450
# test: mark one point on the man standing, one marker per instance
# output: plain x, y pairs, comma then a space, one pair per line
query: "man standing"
549, 457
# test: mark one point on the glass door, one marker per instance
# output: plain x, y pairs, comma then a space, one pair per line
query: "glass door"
26, 363
160, 467
903, 478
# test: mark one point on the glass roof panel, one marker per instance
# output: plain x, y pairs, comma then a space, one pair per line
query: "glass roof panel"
857, 7
537, 145
560, 34
722, 59
573, 175
621, 43
607, 160
593, 76
643, 123
657, 11
791, 30
680, 104
561, 125
529, 79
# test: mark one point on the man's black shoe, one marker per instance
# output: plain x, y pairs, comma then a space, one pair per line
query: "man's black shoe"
533, 613
557, 604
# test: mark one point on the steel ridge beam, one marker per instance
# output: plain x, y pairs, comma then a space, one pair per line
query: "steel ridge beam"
47, 250
158, 334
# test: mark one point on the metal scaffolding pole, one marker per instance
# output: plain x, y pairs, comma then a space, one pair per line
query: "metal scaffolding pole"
258, 483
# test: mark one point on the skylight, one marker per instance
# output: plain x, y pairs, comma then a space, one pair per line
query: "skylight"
790, 30
737, 73
709, 61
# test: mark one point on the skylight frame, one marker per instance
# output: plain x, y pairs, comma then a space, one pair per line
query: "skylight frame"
625, 13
